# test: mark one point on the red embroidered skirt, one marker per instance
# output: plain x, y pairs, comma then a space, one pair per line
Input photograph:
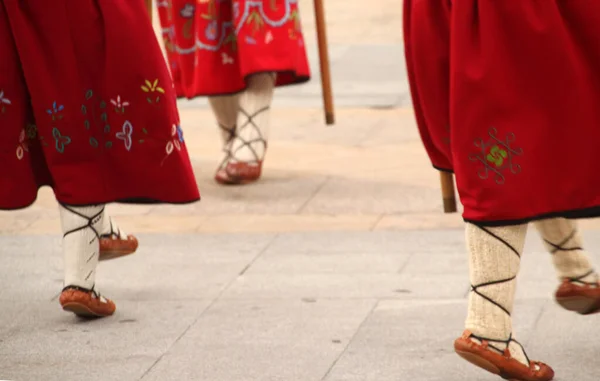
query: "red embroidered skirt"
213, 45
507, 96
87, 106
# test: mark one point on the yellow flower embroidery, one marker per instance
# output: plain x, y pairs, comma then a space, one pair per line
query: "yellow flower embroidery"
152, 87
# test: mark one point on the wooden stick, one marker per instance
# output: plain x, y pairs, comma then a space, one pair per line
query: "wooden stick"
149, 6
324, 62
448, 194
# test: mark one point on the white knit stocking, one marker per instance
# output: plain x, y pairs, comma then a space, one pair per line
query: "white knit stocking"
563, 241
494, 260
81, 229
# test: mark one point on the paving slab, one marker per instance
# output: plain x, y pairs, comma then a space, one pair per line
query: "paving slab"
306, 306
413, 340
51, 345
263, 340
568, 342
408, 242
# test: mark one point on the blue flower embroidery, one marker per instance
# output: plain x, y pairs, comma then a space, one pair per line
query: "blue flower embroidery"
180, 133
54, 112
250, 40
211, 31
61, 141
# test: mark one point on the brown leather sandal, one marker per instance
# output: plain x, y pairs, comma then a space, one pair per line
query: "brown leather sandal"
579, 296
86, 303
233, 170
574, 294
239, 173
500, 362
115, 244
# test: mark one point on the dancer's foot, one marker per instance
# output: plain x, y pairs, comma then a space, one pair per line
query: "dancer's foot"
488, 342
114, 243
580, 287
481, 353
85, 303
578, 296
246, 141
239, 173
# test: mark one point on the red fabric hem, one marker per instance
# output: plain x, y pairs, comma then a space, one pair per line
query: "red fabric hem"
117, 197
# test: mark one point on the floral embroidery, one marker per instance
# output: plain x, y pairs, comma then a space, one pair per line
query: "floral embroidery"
256, 20
119, 105
236, 10
31, 131
496, 156
97, 116
180, 133
188, 29
3, 102
27, 133
55, 112
212, 10
145, 133
255, 15
125, 135
168, 4
176, 137
211, 31
175, 142
295, 32
226, 58
231, 39
268, 37
295, 17
169, 46
187, 12
152, 87
61, 141
23, 146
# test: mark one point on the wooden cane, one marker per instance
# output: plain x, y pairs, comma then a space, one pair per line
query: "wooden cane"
324, 62
448, 194
149, 6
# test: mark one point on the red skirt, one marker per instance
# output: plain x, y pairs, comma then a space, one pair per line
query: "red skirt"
87, 106
213, 45
506, 95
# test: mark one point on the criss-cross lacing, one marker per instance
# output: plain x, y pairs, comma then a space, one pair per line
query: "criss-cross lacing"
475, 289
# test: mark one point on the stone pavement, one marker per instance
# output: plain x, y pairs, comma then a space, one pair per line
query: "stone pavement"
337, 266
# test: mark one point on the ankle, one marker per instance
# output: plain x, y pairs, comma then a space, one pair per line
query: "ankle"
583, 279
505, 347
